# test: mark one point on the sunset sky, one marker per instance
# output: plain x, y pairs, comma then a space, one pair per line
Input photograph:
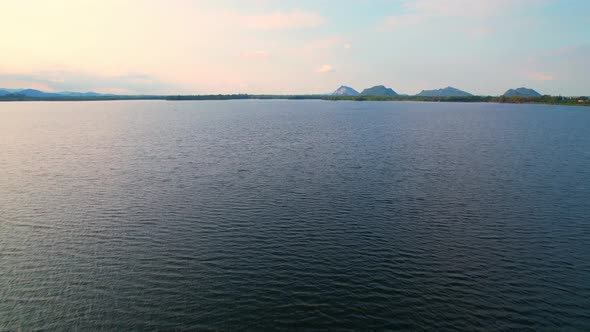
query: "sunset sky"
292, 47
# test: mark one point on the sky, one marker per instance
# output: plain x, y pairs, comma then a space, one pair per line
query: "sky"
295, 47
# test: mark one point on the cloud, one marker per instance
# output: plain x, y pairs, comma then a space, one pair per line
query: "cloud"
540, 77
282, 20
325, 69
347, 46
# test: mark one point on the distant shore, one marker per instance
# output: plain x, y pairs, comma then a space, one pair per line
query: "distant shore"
547, 100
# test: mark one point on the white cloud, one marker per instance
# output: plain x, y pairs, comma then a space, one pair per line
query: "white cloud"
325, 69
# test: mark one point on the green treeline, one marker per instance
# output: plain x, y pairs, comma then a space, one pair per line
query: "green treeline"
20, 97
242, 96
550, 100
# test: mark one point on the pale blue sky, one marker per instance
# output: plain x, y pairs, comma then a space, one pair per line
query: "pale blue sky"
272, 46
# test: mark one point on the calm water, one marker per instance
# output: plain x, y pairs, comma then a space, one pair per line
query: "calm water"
270, 215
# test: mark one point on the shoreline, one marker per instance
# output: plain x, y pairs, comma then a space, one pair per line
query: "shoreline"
544, 100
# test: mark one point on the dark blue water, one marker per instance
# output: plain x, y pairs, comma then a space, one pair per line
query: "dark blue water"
294, 215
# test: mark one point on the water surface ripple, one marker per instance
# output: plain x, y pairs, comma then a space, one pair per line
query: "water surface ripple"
294, 215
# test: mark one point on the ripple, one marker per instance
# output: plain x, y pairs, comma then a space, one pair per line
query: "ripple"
264, 215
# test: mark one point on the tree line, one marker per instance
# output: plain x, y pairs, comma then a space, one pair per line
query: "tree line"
546, 99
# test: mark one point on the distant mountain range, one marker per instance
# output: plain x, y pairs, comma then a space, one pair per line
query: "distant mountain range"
383, 91
343, 91
522, 92
41, 94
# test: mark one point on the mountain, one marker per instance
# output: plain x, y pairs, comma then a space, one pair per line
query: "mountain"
345, 91
380, 91
34, 93
522, 92
41, 94
27, 93
446, 92
80, 94
4, 92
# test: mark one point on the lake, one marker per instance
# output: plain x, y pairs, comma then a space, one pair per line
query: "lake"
294, 215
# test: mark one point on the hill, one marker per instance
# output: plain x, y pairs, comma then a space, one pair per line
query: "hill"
522, 92
41, 94
380, 91
34, 93
345, 91
446, 92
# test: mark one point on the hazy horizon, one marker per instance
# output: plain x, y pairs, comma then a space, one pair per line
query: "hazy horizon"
296, 47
